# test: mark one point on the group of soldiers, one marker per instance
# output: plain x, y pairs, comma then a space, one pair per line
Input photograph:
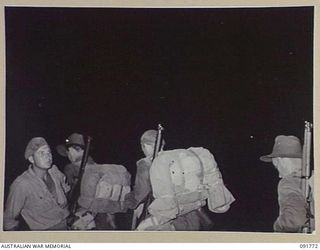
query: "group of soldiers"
169, 193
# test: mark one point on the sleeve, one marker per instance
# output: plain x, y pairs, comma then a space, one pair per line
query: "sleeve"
292, 215
14, 205
142, 186
89, 183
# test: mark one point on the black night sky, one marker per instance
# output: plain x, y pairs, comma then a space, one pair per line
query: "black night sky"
229, 80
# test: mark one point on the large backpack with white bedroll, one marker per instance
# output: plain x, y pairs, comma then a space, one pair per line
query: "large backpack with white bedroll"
184, 180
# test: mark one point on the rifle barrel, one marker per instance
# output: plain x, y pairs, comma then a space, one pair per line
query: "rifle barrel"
76, 190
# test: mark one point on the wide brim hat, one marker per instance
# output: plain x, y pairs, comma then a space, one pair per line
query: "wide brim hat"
286, 147
73, 140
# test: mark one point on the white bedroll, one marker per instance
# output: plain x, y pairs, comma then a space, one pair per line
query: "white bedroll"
184, 180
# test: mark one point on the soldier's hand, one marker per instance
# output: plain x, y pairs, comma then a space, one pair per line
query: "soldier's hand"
130, 201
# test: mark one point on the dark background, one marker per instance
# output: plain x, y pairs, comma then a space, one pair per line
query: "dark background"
229, 80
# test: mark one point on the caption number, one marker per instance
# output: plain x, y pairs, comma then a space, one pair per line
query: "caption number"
309, 246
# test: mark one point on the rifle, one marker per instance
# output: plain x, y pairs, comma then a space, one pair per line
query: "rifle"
305, 175
158, 142
75, 192
146, 202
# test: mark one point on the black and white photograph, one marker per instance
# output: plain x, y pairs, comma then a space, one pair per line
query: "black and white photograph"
159, 119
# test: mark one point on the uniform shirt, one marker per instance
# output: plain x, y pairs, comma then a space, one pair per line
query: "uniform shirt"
292, 206
30, 197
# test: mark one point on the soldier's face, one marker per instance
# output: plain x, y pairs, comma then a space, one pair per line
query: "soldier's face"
75, 154
147, 149
282, 166
42, 158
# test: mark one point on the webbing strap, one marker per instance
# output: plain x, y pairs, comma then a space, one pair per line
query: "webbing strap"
201, 165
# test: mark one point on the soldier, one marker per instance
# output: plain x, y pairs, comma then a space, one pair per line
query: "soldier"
286, 157
103, 188
139, 197
71, 170
38, 195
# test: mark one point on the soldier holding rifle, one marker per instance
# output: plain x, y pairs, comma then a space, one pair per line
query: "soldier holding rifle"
102, 189
140, 197
74, 143
183, 181
287, 158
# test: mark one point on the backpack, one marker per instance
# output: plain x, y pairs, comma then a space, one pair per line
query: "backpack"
184, 180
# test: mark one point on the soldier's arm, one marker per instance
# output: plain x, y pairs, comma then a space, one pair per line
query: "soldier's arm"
142, 185
14, 205
292, 215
